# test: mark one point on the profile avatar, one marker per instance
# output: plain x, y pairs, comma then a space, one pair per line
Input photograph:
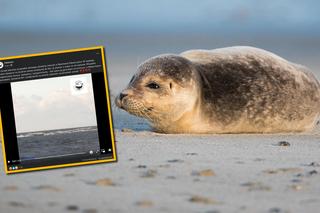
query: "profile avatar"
78, 84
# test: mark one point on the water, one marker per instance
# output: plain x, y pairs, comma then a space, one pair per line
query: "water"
122, 119
57, 142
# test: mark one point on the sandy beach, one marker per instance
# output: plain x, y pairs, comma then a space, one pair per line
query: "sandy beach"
180, 173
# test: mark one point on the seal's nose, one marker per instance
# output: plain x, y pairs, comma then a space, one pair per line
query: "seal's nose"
122, 95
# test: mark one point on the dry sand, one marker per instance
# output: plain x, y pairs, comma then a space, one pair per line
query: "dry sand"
180, 173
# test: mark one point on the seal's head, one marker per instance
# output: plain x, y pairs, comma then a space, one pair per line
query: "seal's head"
163, 90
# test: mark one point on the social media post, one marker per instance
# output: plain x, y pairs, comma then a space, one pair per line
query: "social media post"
59, 120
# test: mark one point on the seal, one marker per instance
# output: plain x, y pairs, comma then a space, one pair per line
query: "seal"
227, 90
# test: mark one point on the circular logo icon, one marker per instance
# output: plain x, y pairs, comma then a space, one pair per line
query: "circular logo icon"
78, 84
1, 65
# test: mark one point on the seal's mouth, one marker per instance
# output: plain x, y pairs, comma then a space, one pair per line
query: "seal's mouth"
124, 103
118, 103
133, 106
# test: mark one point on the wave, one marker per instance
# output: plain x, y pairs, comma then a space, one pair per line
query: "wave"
56, 132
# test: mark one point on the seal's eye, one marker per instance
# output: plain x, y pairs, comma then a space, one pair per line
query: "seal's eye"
153, 85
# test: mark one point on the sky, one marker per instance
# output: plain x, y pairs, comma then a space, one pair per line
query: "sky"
144, 16
49, 104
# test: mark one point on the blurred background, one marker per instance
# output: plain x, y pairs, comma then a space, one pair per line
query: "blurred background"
133, 31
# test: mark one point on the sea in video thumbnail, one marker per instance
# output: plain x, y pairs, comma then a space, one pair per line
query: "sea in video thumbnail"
58, 142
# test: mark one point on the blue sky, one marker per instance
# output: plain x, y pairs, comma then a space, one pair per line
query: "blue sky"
274, 16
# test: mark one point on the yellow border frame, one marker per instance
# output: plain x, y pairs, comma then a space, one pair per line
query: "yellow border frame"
114, 156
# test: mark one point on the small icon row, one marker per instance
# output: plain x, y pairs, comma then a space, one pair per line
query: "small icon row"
13, 167
98, 151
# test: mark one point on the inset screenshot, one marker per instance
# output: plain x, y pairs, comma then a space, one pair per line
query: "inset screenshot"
55, 110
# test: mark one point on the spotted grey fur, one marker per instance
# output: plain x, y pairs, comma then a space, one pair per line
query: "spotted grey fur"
243, 89
256, 83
